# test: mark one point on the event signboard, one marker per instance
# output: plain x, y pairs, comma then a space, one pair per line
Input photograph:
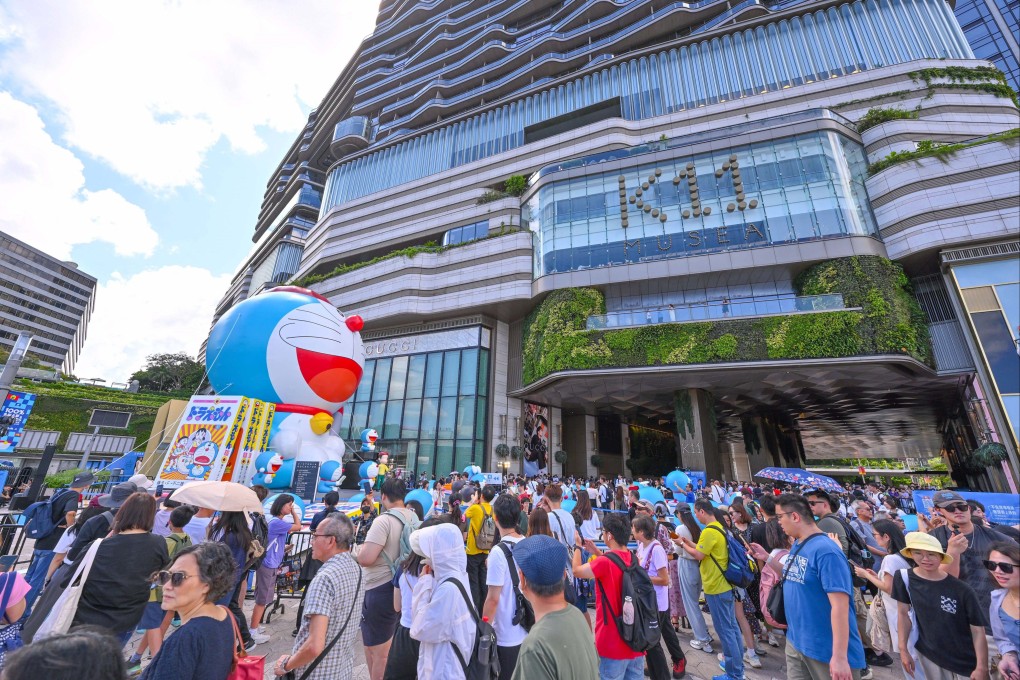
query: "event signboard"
1001, 508
13, 418
536, 439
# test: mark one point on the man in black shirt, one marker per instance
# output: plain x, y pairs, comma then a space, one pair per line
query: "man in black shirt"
64, 505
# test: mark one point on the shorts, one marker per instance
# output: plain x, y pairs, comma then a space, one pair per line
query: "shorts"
152, 618
378, 618
265, 584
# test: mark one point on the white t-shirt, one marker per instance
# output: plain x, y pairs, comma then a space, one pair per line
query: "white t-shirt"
406, 591
197, 529
593, 494
590, 528
65, 542
682, 530
560, 518
498, 574
653, 560
892, 563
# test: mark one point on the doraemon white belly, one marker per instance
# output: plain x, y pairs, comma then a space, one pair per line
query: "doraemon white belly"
295, 439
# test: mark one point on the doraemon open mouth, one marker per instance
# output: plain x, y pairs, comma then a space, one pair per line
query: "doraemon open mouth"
203, 459
331, 377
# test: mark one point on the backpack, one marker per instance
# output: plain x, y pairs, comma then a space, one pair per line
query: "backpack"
638, 618
524, 613
486, 536
484, 660
856, 550
39, 522
769, 580
740, 568
408, 526
259, 540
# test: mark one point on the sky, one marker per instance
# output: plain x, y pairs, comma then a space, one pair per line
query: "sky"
137, 138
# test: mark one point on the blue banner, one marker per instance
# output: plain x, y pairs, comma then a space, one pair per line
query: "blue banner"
13, 418
1001, 508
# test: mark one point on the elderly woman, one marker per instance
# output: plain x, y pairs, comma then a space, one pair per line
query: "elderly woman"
441, 610
203, 647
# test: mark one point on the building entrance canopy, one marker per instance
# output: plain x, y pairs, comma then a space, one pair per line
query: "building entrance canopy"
868, 407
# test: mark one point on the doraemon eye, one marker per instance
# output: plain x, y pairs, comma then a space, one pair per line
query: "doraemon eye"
316, 328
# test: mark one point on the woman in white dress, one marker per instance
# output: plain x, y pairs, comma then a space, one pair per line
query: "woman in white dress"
890, 538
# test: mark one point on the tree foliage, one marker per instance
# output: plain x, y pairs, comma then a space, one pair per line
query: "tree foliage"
169, 372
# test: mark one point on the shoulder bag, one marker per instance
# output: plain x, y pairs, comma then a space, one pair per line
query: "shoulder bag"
244, 667
776, 603
56, 619
290, 675
10, 635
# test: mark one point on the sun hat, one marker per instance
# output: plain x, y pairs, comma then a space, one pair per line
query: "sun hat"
541, 559
141, 481
945, 497
118, 495
917, 540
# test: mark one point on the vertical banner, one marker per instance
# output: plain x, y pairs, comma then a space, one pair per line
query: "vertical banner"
204, 440
535, 433
13, 418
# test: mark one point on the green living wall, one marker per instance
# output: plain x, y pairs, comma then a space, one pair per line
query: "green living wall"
889, 322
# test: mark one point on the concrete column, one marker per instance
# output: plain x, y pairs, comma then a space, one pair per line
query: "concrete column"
695, 427
590, 445
624, 447
755, 447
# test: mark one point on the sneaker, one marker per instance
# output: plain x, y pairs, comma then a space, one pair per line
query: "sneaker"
258, 637
703, 645
250, 646
773, 642
867, 673
679, 668
134, 665
874, 658
752, 659
759, 650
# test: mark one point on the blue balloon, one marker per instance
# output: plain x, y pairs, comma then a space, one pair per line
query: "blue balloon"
480, 478
267, 504
677, 481
568, 505
650, 493
423, 497
473, 470
357, 498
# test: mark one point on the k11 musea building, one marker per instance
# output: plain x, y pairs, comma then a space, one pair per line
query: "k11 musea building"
596, 236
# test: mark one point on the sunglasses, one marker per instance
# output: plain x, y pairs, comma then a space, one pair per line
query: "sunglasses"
956, 507
176, 578
1004, 567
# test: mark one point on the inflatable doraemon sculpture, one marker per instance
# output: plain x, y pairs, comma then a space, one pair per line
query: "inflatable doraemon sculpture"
290, 346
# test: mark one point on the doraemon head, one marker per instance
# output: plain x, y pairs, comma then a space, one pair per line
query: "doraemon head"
288, 345
368, 470
368, 439
206, 453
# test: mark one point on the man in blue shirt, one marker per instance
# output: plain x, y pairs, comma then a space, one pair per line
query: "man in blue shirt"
817, 584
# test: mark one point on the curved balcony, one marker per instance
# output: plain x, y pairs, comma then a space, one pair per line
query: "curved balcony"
350, 135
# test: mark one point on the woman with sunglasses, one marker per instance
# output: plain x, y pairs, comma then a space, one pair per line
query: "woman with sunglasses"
203, 647
1004, 565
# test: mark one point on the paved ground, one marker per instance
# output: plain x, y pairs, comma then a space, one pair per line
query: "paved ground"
700, 666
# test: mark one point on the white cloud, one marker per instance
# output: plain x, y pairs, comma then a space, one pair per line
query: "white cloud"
149, 87
43, 199
159, 310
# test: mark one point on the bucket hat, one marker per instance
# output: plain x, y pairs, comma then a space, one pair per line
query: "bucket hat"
118, 495
920, 541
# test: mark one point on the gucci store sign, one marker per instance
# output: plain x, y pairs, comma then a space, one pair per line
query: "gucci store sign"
473, 336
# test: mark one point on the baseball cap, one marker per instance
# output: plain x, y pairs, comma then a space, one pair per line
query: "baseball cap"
141, 481
682, 507
541, 559
645, 505
945, 497
83, 479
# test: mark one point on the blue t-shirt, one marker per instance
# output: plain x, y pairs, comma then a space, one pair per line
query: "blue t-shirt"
817, 569
278, 530
201, 649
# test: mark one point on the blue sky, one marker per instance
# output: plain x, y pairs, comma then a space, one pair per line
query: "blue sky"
138, 137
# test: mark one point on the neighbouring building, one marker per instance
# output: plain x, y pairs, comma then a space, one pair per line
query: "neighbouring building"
49, 298
590, 236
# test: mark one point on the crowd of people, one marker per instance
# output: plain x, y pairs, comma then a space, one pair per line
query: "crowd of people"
537, 578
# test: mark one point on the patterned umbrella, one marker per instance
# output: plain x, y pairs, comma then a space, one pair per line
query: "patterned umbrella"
801, 478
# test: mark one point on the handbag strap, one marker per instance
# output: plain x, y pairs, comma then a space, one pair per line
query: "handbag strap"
238, 640
322, 655
81, 574
10, 577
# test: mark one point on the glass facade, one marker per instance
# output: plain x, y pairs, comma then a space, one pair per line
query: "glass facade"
988, 25
800, 188
991, 294
430, 409
818, 46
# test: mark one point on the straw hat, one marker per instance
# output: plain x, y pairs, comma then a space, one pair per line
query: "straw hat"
920, 541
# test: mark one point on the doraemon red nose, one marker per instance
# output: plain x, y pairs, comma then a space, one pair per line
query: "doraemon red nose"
331, 377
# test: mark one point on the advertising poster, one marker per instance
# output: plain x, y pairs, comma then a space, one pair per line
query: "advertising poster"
535, 433
1001, 508
205, 438
13, 419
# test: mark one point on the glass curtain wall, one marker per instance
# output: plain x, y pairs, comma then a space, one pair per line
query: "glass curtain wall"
429, 409
818, 46
794, 189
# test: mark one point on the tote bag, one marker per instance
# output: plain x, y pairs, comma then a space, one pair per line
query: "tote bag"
10, 635
245, 667
58, 619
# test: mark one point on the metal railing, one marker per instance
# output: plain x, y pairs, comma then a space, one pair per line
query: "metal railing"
716, 309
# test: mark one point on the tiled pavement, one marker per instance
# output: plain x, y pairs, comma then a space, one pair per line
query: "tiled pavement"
700, 666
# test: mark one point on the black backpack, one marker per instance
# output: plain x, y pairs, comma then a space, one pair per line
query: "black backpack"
856, 551
484, 655
524, 613
638, 618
